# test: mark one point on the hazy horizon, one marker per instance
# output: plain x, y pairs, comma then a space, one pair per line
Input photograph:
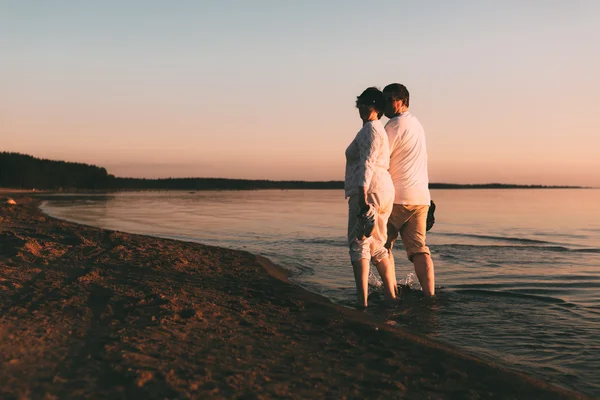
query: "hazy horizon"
266, 89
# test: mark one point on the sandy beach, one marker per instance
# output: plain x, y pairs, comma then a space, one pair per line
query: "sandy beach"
92, 313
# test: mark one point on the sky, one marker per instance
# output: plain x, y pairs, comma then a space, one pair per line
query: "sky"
507, 91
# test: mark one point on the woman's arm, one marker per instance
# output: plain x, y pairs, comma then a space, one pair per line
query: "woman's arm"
369, 144
362, 199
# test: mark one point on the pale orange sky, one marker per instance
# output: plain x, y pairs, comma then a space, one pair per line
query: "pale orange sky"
505, 92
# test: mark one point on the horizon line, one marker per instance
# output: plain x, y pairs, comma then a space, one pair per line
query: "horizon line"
524, 185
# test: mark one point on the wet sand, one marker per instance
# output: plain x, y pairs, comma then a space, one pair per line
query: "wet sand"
92, 313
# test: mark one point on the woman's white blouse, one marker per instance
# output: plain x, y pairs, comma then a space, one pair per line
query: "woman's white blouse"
368, 161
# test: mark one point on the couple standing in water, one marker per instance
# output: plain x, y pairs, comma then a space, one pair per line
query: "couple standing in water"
388, 190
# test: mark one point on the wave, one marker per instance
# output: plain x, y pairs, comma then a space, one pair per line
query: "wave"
323, 242
547, 247
497, 238
586, 250
556, 249
527, 244
517, 295
556, 285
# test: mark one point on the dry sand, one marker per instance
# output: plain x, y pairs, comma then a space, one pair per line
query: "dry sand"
91, 313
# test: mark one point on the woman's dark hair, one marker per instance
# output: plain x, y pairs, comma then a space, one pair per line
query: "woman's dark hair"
372, 97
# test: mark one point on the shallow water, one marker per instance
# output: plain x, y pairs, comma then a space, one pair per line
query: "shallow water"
518, 271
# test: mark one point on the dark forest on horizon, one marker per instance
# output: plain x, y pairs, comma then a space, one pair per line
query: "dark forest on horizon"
21, 171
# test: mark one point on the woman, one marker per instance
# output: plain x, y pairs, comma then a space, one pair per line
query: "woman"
370, 190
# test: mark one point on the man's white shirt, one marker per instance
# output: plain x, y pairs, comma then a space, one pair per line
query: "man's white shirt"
408, 160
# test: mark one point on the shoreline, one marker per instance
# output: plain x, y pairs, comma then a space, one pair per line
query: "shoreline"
142, 316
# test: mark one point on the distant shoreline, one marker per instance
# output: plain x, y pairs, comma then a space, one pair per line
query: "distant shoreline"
216, 184
245, 184
25, 172
501, 186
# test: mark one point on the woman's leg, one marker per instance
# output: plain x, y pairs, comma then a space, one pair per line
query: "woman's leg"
361, 276
381, 255
385, 268
359, 254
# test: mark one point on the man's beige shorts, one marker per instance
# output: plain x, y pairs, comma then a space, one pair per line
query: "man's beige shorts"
410, 222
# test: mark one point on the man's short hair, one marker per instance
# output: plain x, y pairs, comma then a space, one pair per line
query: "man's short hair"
373, 97
399, 92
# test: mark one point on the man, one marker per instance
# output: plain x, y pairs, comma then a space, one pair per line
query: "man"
408, 167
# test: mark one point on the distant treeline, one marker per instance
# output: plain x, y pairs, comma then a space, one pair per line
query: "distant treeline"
496, 186
20, 171
27, 172
219, 184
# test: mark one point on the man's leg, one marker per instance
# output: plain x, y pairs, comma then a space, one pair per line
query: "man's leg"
361, 277
392, 236
413, 235
424, 270
393, 267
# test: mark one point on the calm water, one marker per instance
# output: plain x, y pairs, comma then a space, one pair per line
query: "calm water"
518, 271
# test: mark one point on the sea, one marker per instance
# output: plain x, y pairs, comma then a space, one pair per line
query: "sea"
517, 270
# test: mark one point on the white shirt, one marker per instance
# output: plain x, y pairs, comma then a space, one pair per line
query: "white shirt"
408, 160
368, 160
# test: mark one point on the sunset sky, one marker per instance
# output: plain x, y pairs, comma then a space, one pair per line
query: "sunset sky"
508, 91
